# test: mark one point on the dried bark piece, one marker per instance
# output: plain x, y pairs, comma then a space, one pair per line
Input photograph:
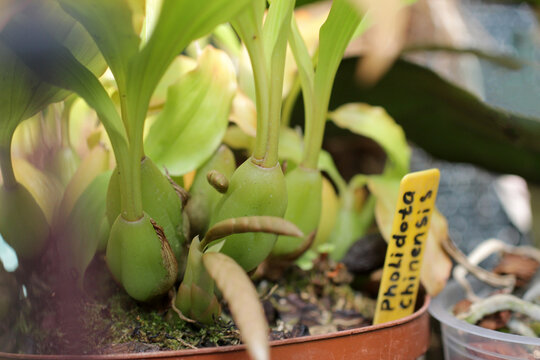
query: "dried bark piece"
496, 321
522, 267
462, 306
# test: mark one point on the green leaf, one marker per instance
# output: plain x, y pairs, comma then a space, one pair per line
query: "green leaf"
15, 81
448, 121
351, 224
54, 63
276, 27
195, 117
373, 122
180, 22
25, 94
116, 39
243, 301
334, 36
178, 68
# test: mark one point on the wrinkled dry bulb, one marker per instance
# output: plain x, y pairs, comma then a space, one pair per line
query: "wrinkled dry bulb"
140, 258
23, 224
160, 201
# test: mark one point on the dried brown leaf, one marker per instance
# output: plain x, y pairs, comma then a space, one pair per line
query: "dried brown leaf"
522, 267
266, 224
246, 309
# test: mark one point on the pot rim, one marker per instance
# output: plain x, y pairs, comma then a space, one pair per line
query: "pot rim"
230, 348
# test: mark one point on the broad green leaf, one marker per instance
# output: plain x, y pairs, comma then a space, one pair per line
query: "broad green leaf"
110, 23
16, 82
25, 94
54, 63
179, 22
437, 265
334, 36
373, 122
448, 121
195, 117
243, 301
351, 223
180, 66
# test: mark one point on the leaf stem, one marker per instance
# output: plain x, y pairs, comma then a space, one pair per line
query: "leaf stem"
277, 65
254, 45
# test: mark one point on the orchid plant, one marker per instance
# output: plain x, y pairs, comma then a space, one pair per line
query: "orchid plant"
163, 107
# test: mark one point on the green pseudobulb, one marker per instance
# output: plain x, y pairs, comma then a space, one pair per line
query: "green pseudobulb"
160, 202
303, 209
253, 191
140, 258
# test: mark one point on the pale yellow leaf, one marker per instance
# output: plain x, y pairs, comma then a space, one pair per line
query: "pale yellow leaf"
384, 40
45, 188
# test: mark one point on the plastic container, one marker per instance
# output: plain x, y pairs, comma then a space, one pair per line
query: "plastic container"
462, 340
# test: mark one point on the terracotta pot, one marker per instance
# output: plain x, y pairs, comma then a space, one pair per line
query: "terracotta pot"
406, 338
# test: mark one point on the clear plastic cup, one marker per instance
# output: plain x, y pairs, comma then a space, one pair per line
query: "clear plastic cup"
462, 340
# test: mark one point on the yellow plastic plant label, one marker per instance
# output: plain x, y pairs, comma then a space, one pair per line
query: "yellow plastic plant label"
401, 273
